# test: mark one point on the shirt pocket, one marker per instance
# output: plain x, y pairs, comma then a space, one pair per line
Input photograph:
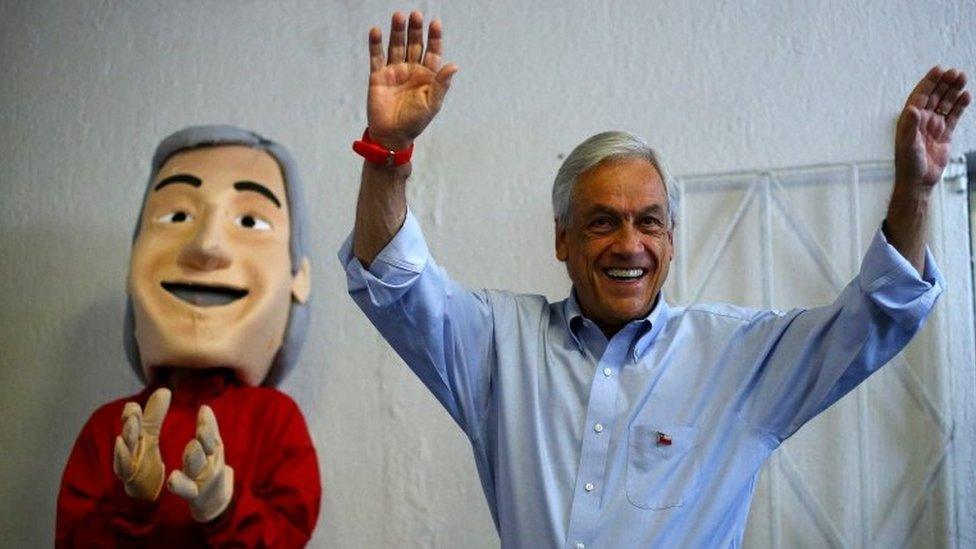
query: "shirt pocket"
662, 465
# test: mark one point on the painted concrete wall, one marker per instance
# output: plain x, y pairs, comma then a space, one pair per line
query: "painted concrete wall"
89, 87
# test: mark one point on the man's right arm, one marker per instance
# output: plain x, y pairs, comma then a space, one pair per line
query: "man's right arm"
440, 329
406, 90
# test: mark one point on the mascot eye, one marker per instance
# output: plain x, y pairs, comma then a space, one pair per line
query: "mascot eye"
175, 217
253, 223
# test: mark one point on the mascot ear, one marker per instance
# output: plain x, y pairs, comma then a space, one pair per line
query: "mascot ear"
301, 284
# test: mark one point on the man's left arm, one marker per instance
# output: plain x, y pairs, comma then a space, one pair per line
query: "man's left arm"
922, 145
802, 362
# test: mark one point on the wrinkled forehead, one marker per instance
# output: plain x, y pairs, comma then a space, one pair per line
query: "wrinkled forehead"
627, 177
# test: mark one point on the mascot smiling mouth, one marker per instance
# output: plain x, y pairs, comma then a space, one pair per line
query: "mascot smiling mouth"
203, 295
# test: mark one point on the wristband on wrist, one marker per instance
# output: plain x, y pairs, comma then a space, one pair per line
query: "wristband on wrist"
376, 153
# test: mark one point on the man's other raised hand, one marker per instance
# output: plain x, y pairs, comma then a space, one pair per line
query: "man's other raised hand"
924, 132
408, 85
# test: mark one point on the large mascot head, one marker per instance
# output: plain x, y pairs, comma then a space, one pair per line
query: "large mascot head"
219, 275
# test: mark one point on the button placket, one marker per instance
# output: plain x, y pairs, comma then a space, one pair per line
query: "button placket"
585, 507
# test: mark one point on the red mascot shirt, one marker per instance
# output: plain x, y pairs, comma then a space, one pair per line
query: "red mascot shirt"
276, 477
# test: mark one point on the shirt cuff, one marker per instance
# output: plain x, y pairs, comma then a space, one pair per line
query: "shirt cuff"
393, 270
894, 285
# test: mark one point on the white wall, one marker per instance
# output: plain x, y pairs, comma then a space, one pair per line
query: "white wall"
88, 88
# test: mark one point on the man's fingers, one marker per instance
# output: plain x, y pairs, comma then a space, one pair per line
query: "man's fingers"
415, 37
194, 459
919, 96
155, 412
960, 107
376, 59
432, 57
398, 35
208, 433
122, 460
446, 73
951, 94
442, 82
945, 83
181, 485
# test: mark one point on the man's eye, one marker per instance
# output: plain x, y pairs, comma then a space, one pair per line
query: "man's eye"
174, 217
600, 222
253, 222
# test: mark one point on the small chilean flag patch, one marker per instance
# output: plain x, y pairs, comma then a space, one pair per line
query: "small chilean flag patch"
663, 439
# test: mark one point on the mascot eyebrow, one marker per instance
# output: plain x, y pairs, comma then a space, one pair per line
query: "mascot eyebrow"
240, 186
179, 178
258, 188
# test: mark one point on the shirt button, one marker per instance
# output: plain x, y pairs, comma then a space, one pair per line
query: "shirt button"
598, 427
607, 372
580, 545
589, 487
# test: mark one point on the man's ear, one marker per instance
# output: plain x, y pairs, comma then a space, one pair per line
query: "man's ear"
671, 243
301, 283
561, 252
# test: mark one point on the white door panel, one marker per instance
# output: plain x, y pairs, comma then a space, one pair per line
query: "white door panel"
889, 465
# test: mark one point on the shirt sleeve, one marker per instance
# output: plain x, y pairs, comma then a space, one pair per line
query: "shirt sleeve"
440, 329
93, 509
808, 359
280, 508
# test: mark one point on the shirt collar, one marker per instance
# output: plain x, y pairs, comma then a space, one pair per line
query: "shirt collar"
651, 325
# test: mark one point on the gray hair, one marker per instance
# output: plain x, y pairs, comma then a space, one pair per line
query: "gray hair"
196, 137
600, 148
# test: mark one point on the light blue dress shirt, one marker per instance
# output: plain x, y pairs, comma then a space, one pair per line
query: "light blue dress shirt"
654, 438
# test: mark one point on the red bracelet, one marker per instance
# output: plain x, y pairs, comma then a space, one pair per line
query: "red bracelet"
376, 153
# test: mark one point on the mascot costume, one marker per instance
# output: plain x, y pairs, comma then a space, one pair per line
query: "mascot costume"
218, 292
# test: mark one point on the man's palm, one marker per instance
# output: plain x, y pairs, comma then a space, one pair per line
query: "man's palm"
408, 84
924, 134
401, 100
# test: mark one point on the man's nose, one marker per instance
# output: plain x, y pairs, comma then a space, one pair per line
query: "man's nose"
206, 251
628, 241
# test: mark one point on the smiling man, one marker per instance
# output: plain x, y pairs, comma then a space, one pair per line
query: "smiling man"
218, 287
611, 419
615, 235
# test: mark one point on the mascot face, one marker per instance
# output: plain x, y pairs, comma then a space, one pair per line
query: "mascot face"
210, 277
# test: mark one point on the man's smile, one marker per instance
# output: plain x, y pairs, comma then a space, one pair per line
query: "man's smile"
204, 295
625, 274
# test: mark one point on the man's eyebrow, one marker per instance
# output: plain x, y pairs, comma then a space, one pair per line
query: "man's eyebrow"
596, 209
604, 209
653, 209
258, 188
179, 178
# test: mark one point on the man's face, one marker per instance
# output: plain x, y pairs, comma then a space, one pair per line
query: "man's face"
210, 276
618, 245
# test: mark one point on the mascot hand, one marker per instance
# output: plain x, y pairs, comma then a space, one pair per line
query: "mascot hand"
205, 480
137, 461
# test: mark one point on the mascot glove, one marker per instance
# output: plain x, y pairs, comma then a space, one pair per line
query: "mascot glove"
137, 461
206, 481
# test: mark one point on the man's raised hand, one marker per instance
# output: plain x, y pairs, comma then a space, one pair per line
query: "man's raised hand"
924, 133
137, 461
407, 87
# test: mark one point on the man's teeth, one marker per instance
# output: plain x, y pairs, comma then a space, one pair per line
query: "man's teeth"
625, 273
